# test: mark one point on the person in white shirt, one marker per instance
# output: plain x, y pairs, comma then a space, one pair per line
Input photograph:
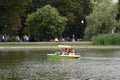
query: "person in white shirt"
71, 51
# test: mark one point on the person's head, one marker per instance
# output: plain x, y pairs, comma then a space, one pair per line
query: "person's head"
66, 50
62, 50
72, 50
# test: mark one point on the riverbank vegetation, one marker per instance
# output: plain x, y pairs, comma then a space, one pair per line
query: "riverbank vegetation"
103, 25
102, 20
108, 39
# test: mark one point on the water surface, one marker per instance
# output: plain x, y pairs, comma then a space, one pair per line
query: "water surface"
94, 64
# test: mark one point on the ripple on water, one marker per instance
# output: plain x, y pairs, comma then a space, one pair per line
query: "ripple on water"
34, 66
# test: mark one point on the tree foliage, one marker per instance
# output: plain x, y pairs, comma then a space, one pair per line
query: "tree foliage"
118, 16
10, 13
102, 20
74, 10
45, 23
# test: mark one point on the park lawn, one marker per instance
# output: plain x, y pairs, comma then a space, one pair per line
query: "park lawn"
45, 43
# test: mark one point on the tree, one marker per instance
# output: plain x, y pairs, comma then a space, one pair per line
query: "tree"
45, 23
74, 10
118, 16
102, 20
10, 13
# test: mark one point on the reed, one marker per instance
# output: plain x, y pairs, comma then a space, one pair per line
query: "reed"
107, 39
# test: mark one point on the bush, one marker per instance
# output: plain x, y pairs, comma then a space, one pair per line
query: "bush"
107, 39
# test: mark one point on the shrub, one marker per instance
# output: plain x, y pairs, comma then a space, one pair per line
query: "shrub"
107, 39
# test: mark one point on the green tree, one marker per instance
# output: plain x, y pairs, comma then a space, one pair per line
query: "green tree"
102, 20
45, 23
74, 10
118, 16
10, 13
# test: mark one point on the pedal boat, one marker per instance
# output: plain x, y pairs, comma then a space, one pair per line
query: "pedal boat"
57, 55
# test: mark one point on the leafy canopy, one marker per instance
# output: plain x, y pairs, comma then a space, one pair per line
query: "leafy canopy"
102, 20
45, 23
10, 13
74, 10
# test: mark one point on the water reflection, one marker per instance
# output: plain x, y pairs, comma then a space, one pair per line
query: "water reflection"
95, 64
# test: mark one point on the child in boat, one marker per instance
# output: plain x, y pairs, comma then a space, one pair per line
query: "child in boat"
71, 51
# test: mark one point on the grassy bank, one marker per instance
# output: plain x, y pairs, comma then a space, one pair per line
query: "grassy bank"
45, 43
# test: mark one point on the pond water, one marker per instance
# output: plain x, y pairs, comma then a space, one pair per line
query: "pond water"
27, 64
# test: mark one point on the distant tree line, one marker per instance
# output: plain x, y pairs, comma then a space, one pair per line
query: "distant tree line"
47, 19
10, 15
13, 15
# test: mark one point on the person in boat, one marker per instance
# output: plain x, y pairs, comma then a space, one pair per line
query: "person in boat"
62, 51
66, 51
71, 51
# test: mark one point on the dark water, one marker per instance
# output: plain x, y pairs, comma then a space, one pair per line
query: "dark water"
94, 64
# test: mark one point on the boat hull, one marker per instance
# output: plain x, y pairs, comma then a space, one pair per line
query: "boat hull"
54, 56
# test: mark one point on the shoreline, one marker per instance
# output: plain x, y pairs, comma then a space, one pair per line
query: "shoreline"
55, 47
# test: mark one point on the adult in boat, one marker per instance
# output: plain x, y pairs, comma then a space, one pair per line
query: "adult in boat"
71, 51
66, 51
62, 51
